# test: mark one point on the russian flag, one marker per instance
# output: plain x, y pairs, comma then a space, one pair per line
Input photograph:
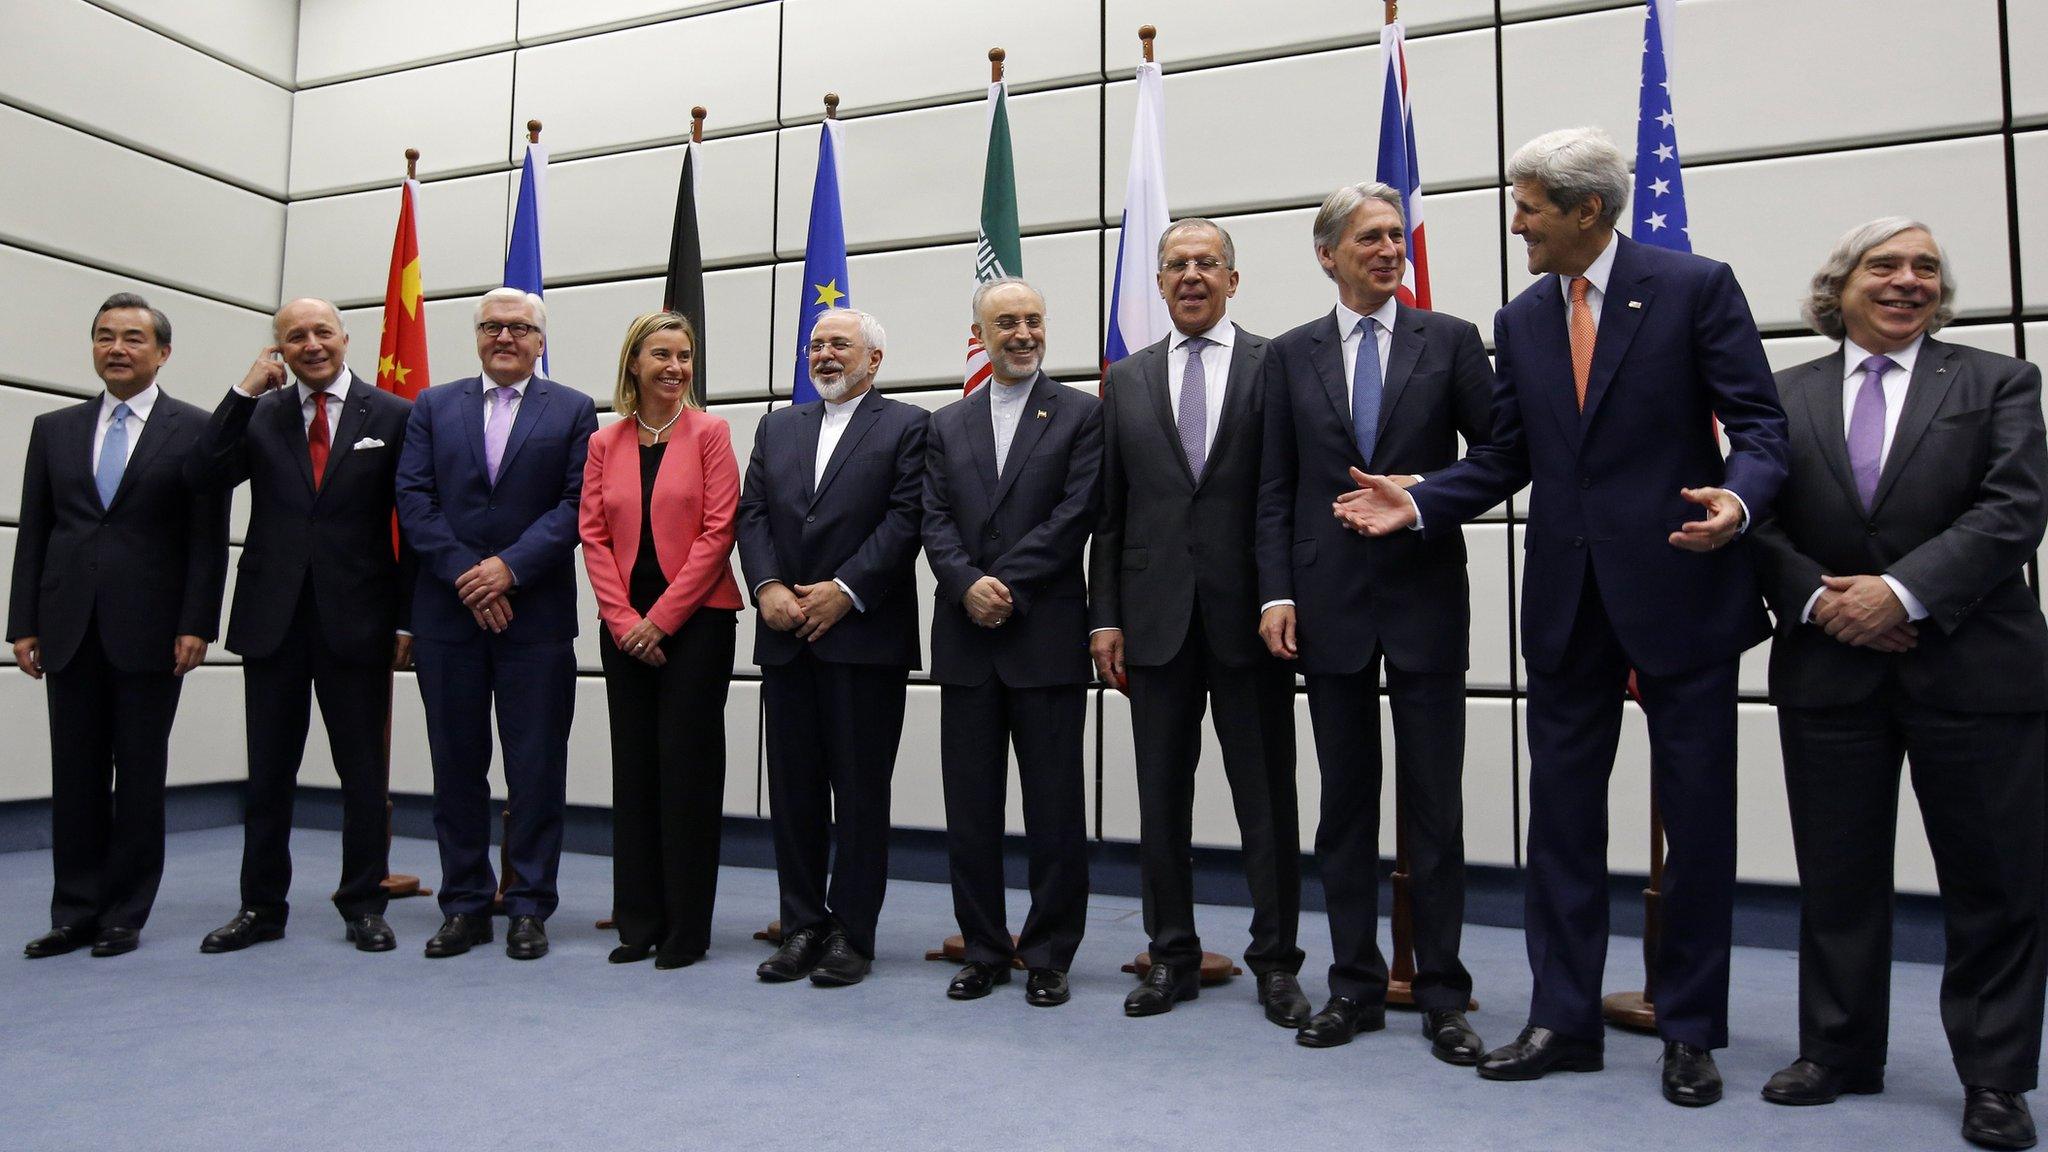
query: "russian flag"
1137, 313
1399, 168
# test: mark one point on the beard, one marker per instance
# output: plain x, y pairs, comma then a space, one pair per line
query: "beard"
834, 391
1020, 365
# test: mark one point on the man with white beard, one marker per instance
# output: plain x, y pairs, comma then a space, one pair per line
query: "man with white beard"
828, 534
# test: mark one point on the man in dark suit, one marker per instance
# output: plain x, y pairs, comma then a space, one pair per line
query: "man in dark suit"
828, 533
1382, 387
1611, 370
118, 569
319, 605
1174, 615
488, 485
1895, 562
1010, 491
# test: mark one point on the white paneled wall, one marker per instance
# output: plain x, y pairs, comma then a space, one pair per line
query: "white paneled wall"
221, 157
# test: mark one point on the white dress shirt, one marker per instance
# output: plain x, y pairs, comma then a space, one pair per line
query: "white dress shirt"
838, 414
1005, 411
1895, 381
138, 415
335, 393
490, 399
1598, 273
1215, 375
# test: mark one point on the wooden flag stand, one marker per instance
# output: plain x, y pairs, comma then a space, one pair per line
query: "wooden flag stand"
1637, 1011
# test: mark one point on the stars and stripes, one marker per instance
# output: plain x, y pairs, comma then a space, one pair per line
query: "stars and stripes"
1658, 212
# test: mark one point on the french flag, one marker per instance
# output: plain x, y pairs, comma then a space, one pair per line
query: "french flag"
1398, 166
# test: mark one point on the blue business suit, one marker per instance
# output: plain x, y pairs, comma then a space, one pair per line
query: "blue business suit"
1604, 591
453, 517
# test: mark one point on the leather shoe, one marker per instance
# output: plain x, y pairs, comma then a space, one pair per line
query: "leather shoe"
670, 959
1805, 1082
839, 965
1538, 1051
459, 933
248, 927
1046, 988
977, 978
58, 941
1340, 1020
370, 933
526, 939
630, 953
1690, 1078
794, 960
1280, 992
115, 941
1163, 987
1993, 1118
1451, 1038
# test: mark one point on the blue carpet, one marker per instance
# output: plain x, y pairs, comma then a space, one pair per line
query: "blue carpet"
306, 1044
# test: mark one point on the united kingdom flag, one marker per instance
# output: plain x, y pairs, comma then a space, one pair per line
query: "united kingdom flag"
1398, 167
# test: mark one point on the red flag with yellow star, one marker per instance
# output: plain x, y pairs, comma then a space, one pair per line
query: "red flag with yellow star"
402, 354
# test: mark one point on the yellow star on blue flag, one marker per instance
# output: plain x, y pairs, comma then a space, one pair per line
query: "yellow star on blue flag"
824, 256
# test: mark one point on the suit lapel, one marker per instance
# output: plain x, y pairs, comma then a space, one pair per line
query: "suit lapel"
981, 436
286, 413
1627, 287
1153, 378
1409, 339
155, 430
531, 407
77, 447
1328, 357
1237, 399
355, 411
1039, 408
1550, 357
865, 414
472, 407
1934, 371
810, 422
1820, 394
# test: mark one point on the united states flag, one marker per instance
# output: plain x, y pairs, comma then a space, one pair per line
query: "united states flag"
1659, 211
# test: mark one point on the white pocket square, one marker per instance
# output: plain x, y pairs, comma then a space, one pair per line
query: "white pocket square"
367, 442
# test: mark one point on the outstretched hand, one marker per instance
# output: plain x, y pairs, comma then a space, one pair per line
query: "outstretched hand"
1379, 506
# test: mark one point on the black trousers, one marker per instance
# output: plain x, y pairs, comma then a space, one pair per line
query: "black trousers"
1429, 768
1574, 727
1978, 777
977, 726
1253, 714
355, 705
832, 736
668, 782
110, 735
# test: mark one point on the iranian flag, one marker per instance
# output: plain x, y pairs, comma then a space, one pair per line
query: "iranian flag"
1000, 252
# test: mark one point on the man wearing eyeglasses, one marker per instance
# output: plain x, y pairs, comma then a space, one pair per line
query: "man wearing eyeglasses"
488, 486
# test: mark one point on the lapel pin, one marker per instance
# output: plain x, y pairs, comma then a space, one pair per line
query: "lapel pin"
1635, 303
1044, 415
1939, 371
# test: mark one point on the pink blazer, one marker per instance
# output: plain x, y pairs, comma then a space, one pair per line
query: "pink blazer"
696, 495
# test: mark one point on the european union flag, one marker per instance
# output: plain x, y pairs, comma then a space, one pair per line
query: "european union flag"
522, 255
825, 283
1659, 208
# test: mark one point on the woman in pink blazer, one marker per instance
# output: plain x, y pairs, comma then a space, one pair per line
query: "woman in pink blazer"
659, 495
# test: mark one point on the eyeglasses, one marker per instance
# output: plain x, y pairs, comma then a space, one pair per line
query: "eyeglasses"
1203, 264
493, 329
837, 344
1012, 323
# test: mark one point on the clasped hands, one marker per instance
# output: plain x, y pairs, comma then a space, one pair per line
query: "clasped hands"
483, 590
1863, 612
809, 610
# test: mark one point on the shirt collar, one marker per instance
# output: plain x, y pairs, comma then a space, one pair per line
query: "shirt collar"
1854, 354
1222, 334
1012, 393
140, 405
338, 389
520, 387
1347, 320
844, 408
1598, 272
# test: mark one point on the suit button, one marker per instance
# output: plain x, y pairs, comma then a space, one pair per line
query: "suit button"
994, 534
1578, 541
810, 519
1585, 481
1870, 529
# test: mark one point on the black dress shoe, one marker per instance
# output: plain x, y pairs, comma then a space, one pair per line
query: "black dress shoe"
370, 933
1690, 1078
116, 941
459, 933
630, 953
248, 927
1805, 1082
795, 959
526, 939
670, 959
1539, 1050
1046, 988
1280, 992
58, 941
1163, 987
839, 965
977, 978
1451, 1038
1340, 1020
1993, 1118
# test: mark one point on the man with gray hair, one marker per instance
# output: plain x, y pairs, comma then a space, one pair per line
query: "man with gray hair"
1895, 561
488, 487
1611, 370
829, 518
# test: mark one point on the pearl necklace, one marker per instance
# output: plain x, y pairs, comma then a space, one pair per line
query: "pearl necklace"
656, 432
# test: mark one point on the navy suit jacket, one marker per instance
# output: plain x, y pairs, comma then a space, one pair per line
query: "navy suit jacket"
1676, 349
859, 525
1026, 527
1406, 593
339, 533
143, 570
454, 517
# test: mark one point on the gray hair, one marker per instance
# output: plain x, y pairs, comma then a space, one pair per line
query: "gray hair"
1335, 214
1191, 222
1822, 308
157, 320
982, 290
327, 304
517, 296
1573, 165
871, 333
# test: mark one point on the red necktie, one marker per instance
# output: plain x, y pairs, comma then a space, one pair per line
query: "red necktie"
317, 438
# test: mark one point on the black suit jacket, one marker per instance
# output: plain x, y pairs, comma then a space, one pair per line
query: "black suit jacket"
1168, 545
1406, 593
149, 567
859, 525
1026, 527
1959, 510
339, 534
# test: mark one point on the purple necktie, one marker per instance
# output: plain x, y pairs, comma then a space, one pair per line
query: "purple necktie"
1866, 429
498, 429
1194, 406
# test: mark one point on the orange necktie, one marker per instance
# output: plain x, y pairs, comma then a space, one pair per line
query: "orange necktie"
1582, 333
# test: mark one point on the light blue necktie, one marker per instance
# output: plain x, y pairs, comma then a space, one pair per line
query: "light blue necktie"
113, 457
1365, 391
1193, 417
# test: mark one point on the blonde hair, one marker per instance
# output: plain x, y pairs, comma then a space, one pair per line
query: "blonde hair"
626, 395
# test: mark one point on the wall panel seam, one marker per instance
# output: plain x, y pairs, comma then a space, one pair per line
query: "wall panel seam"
49, 117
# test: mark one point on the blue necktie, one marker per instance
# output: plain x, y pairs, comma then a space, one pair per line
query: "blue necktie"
113, 457
1365, 391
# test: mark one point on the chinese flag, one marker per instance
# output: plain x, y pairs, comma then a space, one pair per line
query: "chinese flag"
402, 354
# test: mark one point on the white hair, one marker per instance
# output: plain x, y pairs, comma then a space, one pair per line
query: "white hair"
871, 332
517, 296
982, 290
1573, 165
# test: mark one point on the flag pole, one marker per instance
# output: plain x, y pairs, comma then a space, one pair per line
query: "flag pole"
697, 115
505, 876
397, 885
996, 56
831, 105
1146, 34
